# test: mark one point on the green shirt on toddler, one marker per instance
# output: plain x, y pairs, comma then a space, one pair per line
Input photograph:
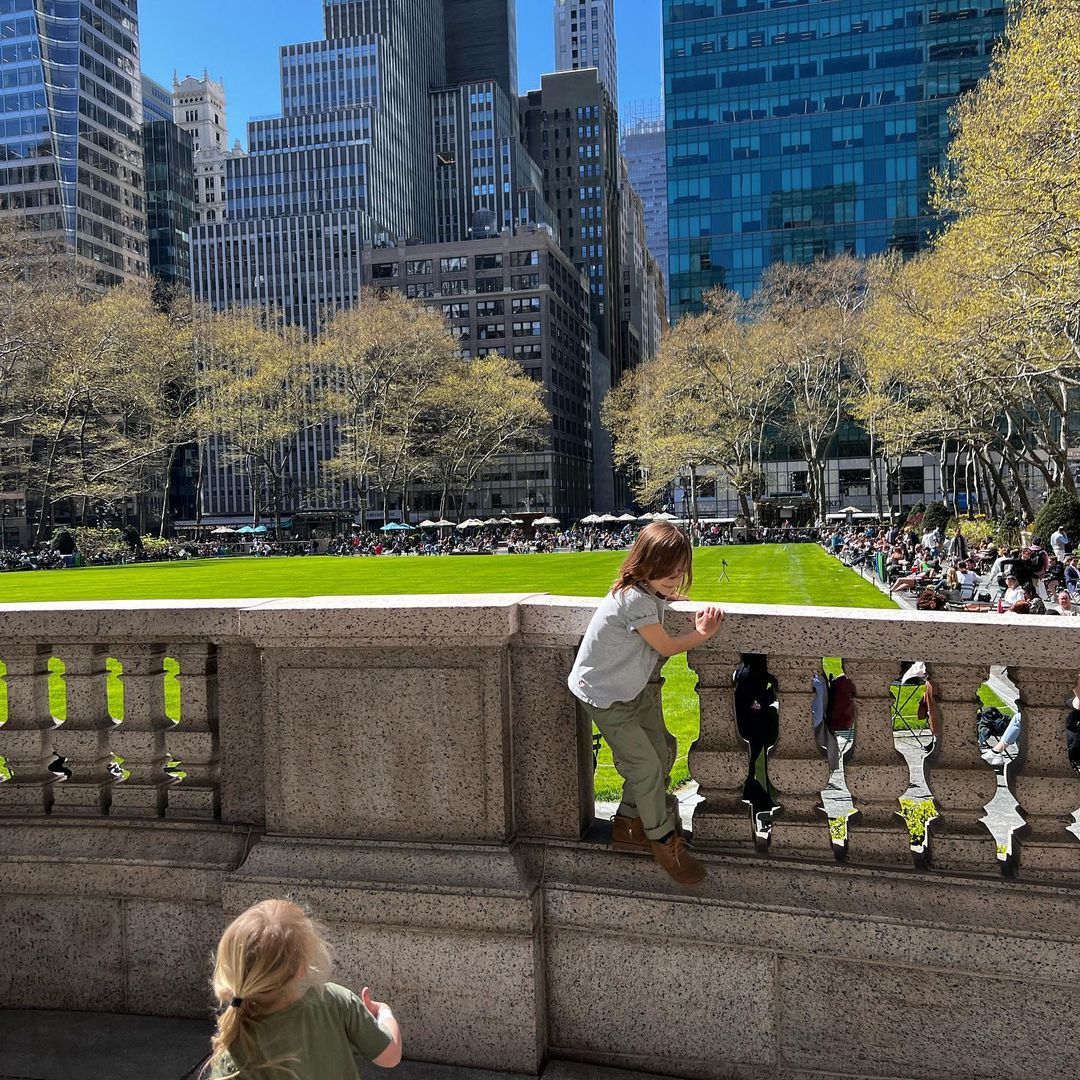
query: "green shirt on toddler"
327, 1033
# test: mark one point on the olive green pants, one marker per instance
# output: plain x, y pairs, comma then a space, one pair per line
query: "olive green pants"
644, 752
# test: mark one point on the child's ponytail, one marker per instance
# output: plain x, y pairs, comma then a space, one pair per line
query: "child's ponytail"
272, 952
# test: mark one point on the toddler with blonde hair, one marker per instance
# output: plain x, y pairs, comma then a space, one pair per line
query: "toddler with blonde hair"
281, 1019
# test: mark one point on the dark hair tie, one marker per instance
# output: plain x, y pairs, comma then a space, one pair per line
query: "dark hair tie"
237, 1002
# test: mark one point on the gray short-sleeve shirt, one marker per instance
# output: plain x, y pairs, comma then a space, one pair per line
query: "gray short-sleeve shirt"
615, 663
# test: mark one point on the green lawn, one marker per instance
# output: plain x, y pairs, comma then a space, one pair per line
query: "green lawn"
773, 574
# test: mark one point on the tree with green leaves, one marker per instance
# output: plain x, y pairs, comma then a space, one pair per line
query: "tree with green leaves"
255, 376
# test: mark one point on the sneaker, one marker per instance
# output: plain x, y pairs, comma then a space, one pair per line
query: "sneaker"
628, 834
672, 855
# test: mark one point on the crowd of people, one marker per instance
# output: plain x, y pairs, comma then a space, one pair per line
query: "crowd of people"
941, 570
486, 540
38, 557
46, 557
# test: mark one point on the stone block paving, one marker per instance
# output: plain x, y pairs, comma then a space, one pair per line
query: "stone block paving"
43, 1045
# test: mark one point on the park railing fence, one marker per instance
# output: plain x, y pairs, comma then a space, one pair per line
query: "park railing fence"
416, 770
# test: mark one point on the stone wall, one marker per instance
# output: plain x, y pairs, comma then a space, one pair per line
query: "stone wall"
415, 770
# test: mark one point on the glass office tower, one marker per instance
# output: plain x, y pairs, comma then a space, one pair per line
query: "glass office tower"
170, 200
798, 130
71, 133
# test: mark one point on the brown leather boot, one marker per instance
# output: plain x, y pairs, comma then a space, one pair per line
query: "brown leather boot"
672, 855
628, 834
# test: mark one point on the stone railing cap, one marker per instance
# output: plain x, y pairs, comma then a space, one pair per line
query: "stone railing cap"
121, 620
320, 621
852, 633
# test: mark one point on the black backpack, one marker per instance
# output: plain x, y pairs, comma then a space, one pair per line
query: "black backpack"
994, 720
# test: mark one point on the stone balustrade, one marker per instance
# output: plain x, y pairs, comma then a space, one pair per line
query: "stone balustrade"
414, 768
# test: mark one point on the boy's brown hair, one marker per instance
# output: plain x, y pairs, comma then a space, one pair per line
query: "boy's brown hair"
659, 551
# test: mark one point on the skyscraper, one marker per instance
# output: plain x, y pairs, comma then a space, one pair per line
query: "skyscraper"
347, 162
481, 43
514, 294
571, 131
585, 37
644, 145
795, 132
170, 187
157, 101
71, 145
198, 107
481, 170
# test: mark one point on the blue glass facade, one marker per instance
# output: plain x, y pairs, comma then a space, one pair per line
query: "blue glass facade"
70, 133
796, 130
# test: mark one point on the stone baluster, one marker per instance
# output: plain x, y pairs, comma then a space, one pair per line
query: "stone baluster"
876, 773
26, 737
83, 740
240, 690
718, 759
797, 766
960, 781
194, 741
1047, 788
140, 739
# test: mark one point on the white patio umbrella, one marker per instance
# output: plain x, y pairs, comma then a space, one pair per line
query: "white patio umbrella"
608, 518
546, 521
591, 519
664, 516
470, 523
222, 530
648, 516
504, 521
428, 524
492, 521
626, 517
442, 523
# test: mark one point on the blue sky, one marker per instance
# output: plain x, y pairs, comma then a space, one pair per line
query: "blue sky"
242, 47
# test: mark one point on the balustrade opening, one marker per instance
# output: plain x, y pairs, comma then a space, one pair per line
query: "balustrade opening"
86, 733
